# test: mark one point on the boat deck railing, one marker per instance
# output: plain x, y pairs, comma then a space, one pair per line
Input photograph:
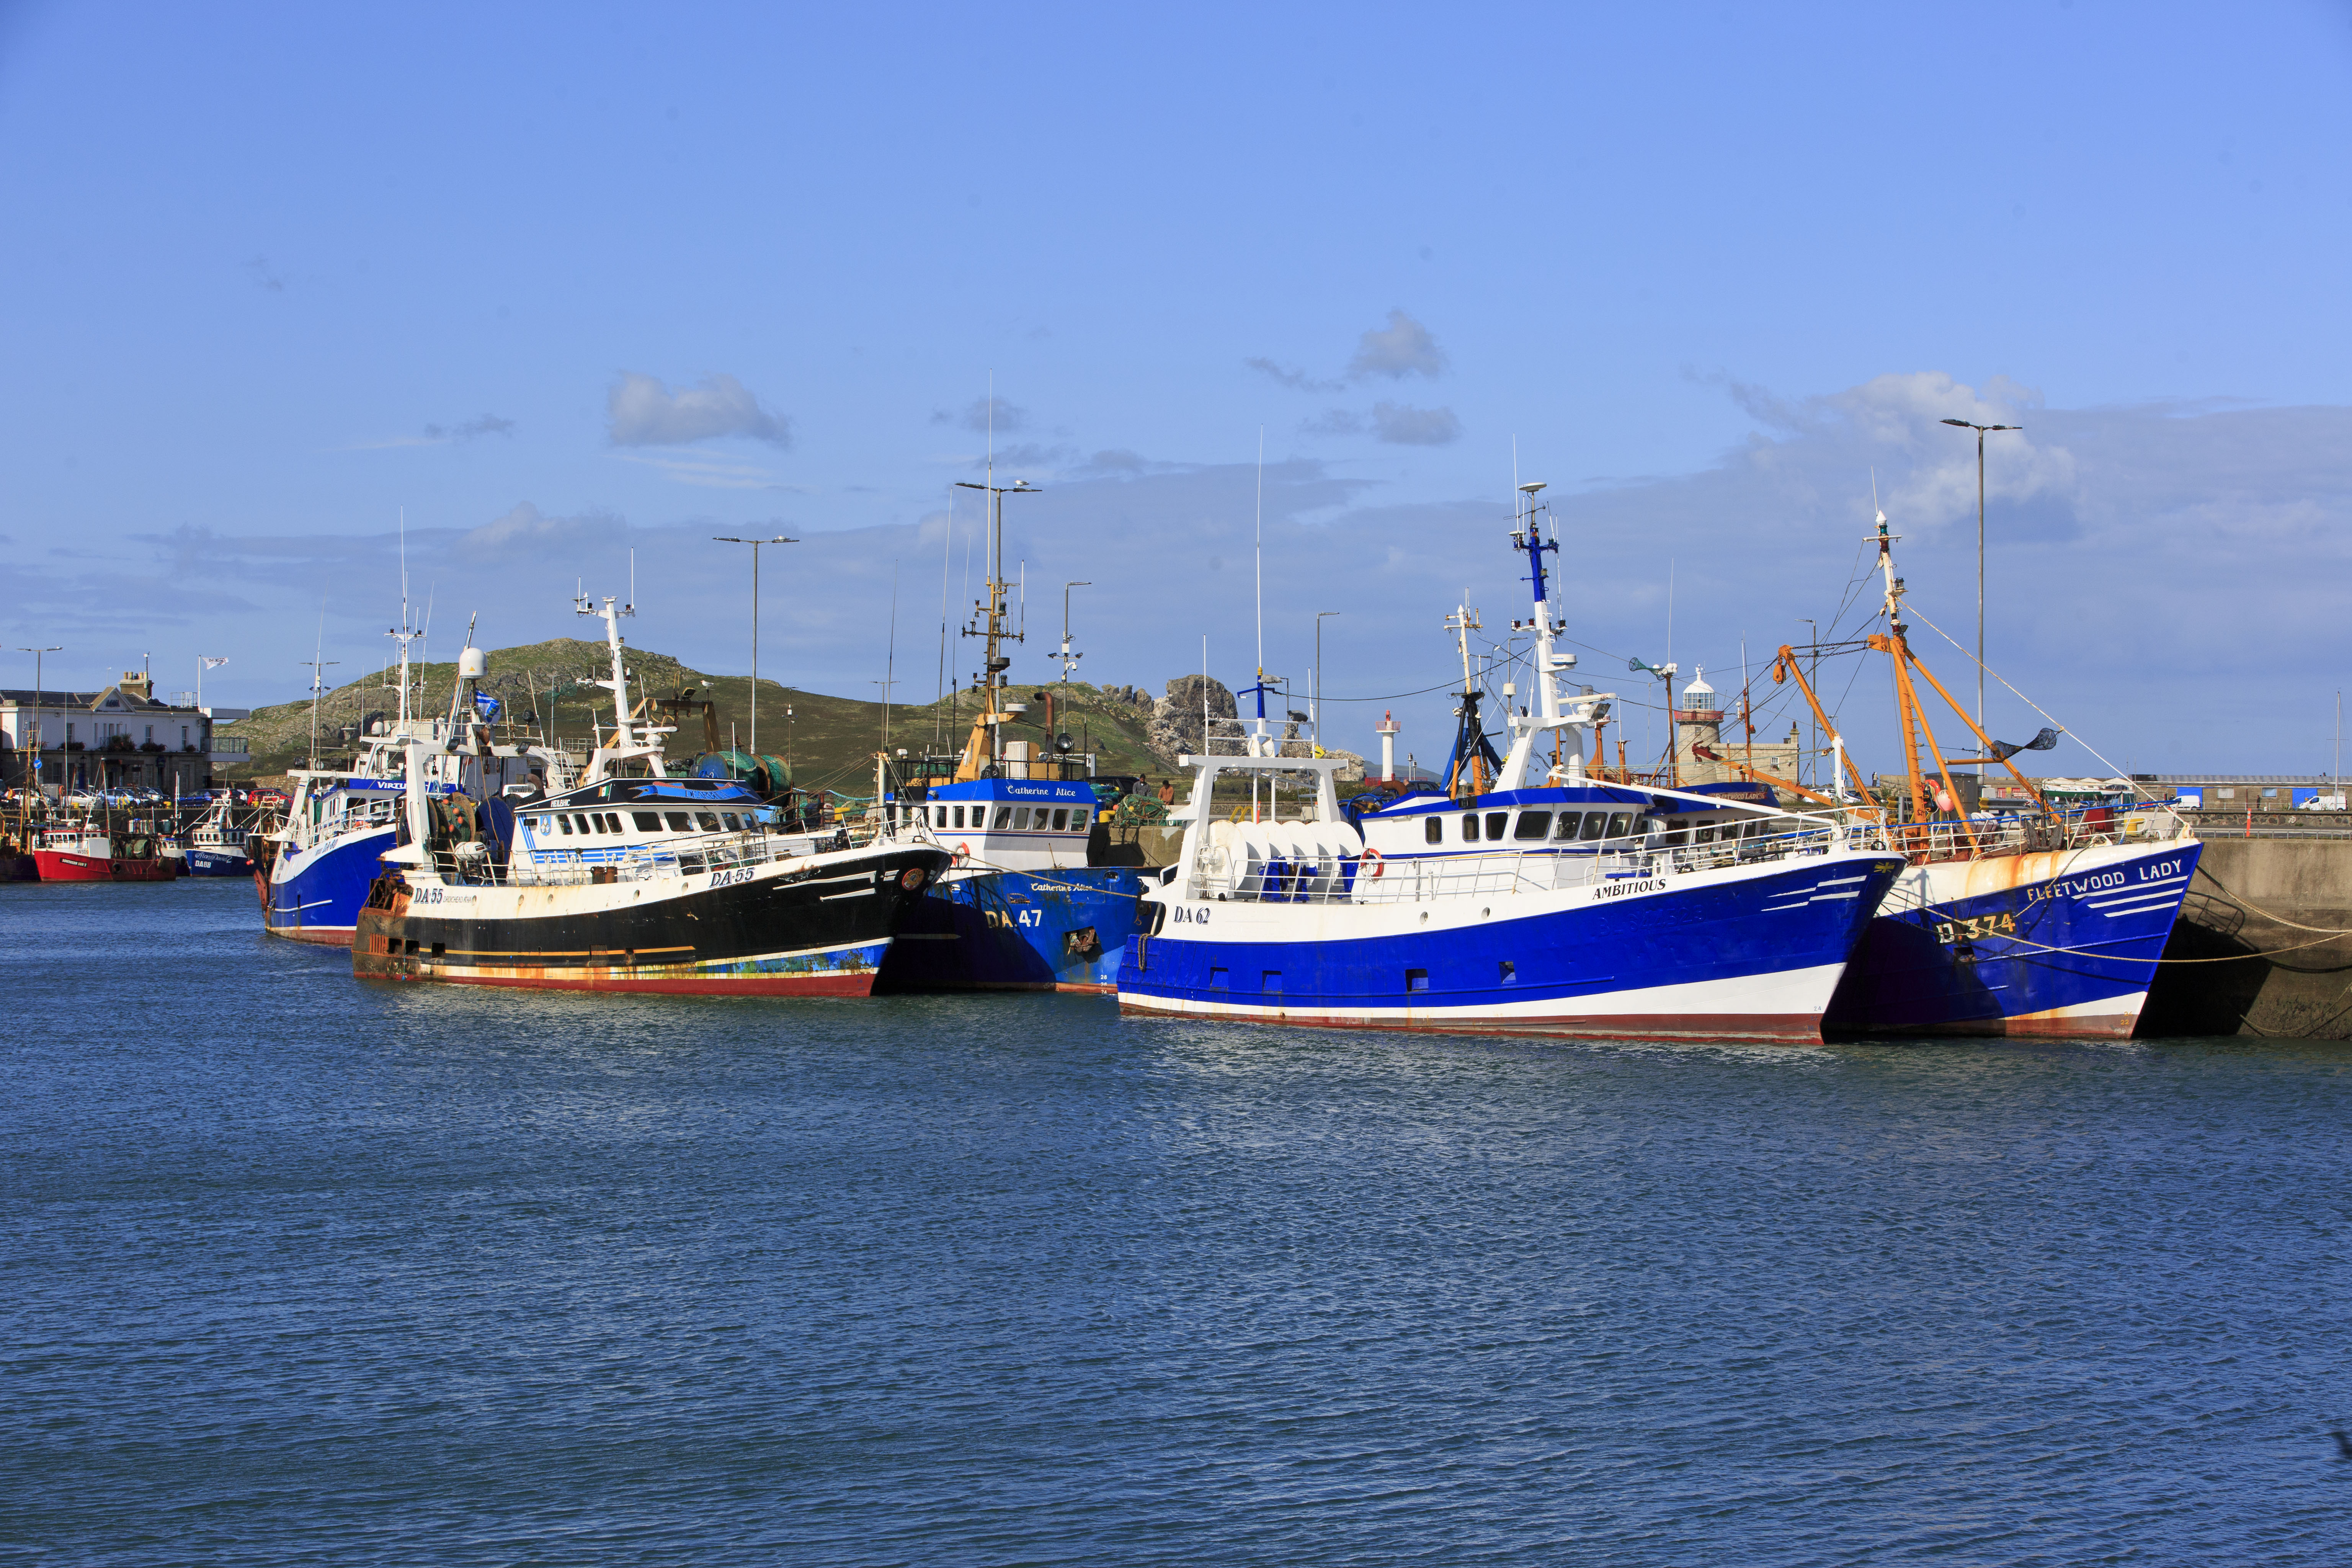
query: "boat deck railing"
2077, 828
1423, 878
627, 863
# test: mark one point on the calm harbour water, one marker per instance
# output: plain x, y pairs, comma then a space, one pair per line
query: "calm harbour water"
299, 1270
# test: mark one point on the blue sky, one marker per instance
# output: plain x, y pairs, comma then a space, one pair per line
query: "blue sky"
566, 282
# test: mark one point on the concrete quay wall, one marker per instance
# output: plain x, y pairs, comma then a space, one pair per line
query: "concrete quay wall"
2260, 973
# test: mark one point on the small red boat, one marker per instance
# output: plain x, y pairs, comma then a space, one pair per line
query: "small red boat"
88, 854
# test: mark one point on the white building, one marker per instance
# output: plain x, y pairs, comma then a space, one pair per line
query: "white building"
122, 738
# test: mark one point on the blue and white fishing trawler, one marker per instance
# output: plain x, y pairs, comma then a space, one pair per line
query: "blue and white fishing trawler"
216, 843
1542, 903
2045, 923
313, 872
1022, 908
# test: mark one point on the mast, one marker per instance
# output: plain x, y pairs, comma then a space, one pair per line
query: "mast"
989, 616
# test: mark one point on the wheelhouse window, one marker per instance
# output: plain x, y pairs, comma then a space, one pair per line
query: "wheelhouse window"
1078, 816
1061, 819
1004, 817
1495, 822
564, 822
1020, 816
1565, 832
679, 822
647, 821
1469, 827
1596, 826
708, 821
1532, 825
1432, 830
1621, 822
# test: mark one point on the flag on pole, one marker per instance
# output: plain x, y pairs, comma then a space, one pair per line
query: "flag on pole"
211, 663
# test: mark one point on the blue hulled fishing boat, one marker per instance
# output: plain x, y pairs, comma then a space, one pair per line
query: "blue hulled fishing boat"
1024, 906
1540, 900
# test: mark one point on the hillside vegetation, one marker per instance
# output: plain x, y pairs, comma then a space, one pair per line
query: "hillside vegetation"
829, 741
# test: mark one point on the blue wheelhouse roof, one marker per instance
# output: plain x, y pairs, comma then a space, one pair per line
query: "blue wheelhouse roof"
1743, 793
1024, 792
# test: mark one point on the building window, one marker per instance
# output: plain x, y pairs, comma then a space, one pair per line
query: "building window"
2225, 794
2269, 794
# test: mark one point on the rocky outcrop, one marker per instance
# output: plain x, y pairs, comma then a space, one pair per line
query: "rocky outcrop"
1176, 718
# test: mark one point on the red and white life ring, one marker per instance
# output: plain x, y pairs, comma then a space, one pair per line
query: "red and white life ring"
963, 852
1372, 858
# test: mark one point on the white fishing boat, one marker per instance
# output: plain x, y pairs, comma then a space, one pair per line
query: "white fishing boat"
1546, 901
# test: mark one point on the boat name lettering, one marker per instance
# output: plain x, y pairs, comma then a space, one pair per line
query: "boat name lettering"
730, 878
1196, 916
1620, 889
2101, 882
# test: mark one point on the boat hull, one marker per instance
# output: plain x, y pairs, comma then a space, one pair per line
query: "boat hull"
1747, 955
1017, 930
2057, 944
66, 866
817, 927
204, 862
316, 895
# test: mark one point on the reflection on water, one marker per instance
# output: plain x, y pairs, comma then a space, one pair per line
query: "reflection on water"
302, 1270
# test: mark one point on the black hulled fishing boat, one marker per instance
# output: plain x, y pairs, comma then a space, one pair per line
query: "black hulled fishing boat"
635, 880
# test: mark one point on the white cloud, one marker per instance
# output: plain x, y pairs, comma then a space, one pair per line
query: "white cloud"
642, 411
711, 473
985, 415
524, 527
1404, 425
1404, 347
1296, 379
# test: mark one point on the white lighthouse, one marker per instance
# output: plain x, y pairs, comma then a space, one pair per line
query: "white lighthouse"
1386, 730
1699, 723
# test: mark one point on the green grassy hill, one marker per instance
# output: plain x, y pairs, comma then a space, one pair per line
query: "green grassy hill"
829, 741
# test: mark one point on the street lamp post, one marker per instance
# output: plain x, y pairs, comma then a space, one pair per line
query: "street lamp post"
754, 543
1315, 708
1980, 430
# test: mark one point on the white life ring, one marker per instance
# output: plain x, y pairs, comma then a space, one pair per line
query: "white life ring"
1372, 858
963, 852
